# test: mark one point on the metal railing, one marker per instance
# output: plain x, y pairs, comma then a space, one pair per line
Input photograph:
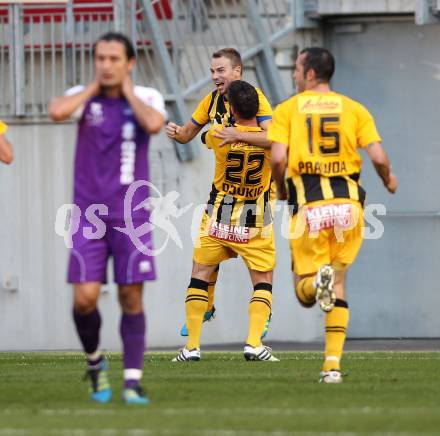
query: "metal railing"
5, 73
200, 27
45, 49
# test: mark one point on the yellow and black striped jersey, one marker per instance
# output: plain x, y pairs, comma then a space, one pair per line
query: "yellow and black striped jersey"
214, 109
3, 127
240, 193
323, 132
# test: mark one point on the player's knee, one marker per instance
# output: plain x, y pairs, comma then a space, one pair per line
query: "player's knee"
131, 302
202, 272
307, 304
84, 303
304, 300
261, 276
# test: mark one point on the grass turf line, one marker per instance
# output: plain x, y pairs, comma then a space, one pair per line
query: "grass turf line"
393, 393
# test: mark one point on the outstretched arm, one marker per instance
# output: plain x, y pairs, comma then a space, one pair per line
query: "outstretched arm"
182, 134
382, 166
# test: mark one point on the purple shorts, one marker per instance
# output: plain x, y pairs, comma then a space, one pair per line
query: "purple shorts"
88, 257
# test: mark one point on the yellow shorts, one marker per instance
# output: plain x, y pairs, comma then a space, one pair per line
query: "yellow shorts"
326, 232
255, 245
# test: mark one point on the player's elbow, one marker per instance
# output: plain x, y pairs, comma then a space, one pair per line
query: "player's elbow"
55, 112
155, 128
277, 162
155, 125
7, 157
380, 160
377, 155
56, 115
6, 153
278, 157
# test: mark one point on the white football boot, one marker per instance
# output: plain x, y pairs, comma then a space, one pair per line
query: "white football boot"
186, 355
332, 376
262, 353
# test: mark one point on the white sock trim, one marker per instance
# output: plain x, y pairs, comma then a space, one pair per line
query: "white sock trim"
94, 356
334, 358
132, 374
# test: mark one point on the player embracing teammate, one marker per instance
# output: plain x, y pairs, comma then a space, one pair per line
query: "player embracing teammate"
214, 110
314, 135
237, 222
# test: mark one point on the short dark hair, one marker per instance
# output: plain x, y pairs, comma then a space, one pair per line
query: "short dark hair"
118, 37
231, 54
321, 61
244, 99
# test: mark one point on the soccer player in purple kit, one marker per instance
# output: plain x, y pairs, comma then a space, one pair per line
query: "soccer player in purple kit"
115, 120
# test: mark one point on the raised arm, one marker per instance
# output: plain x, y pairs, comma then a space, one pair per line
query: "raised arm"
382, 166
6, 153
61, 108
150, 119
182, 134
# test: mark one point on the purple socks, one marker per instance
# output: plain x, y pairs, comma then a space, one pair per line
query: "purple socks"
133, 341
88, 327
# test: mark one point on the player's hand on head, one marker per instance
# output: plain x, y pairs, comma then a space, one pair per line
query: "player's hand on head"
172, 130
228, 134
94, 86
392, 183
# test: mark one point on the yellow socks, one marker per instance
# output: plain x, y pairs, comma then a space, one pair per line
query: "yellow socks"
196, 304
306, 292
211, 288
260, 308
336, 322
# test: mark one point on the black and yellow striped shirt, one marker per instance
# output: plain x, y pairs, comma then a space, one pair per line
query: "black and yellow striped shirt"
322, 133
241, 190
214, 109
307, 188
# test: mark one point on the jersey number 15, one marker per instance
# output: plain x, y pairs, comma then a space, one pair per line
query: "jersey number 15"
329, 141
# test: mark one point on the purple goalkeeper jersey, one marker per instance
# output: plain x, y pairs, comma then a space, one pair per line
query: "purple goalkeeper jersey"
111, 153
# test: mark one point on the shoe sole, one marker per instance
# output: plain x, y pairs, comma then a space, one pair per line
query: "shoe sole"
190, 359
138, 402
250, 357
102, 397
328, 377
325, 297
330, 380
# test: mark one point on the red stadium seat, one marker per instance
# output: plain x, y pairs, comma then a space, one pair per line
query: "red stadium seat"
102, 10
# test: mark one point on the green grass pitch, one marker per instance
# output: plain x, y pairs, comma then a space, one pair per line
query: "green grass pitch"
384, 393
